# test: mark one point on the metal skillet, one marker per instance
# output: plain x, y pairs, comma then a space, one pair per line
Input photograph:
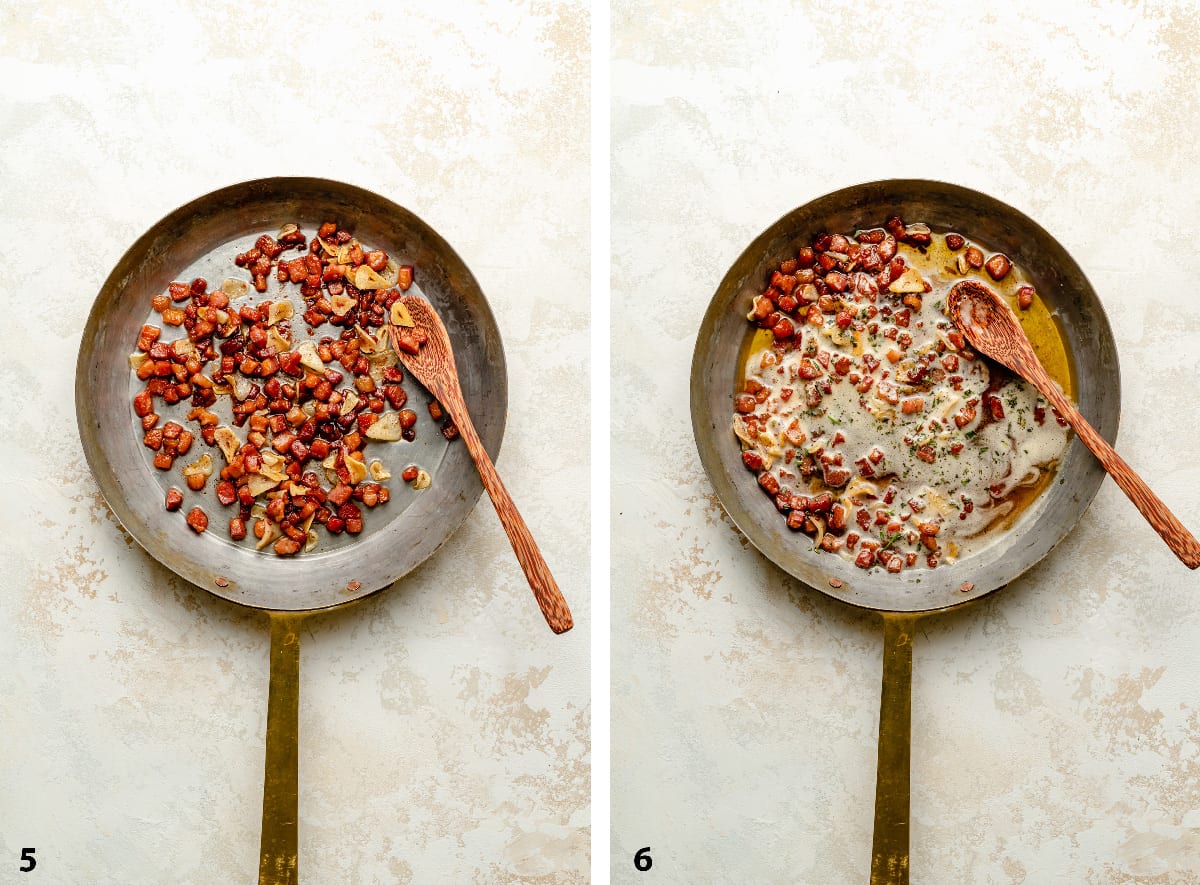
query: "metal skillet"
901, 599
200, 239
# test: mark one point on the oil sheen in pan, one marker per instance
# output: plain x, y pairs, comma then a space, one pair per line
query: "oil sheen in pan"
937, 263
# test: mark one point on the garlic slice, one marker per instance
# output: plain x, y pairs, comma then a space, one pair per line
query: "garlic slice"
401, 316
378, 471
365, 278
366, 341
308, 356
234, 288
280, 310
909, 282
342, 304
273, 533
274, 339
258, 483
201, 467
358, 470
239, 386
228, 441
387, 428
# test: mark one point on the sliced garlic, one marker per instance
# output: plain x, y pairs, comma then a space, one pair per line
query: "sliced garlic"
272, 534
349, 401
280, 310
365, 278
859, 486
308, 356
366, 341
239, 386
274, 339
342, 304
273, 464
311, 542
201, 467
820, 530
387, 428
228, 441
401, 316
380, 361
358, 470
423, 481
234, 288
259, 483
378, 471
909, 282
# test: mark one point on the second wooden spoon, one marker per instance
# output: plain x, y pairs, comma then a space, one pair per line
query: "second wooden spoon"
433, 365
992, 328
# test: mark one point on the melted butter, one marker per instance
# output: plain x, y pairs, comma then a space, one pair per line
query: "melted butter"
1039, 323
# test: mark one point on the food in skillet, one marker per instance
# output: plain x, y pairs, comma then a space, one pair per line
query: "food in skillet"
293, 452
868, 419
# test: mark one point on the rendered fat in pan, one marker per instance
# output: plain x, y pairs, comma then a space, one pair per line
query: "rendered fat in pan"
723, 334
200, 239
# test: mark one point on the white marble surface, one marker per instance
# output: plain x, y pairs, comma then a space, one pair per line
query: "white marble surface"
444, 729
1055, 725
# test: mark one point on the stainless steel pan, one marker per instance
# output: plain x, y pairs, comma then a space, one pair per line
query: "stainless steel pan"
200, 239
901, 598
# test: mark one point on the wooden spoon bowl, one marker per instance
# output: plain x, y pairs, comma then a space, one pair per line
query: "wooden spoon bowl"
992, 328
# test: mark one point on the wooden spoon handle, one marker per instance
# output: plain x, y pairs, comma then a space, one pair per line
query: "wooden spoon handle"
541, 582
1182, 543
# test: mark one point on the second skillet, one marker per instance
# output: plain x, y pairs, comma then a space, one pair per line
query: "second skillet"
200, 239
724, 333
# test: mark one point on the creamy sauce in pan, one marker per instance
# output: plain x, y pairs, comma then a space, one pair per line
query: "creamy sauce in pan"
927, 449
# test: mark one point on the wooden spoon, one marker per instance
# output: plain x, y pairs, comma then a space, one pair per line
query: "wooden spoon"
433, 365
992, 328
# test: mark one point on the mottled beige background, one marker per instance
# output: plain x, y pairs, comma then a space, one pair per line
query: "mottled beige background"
444, 729
1056, 725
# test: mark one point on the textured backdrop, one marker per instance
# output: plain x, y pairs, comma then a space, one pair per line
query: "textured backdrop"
1055, 725
443, 728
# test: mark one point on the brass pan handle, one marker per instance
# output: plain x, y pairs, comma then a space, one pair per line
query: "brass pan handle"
889, 846
277, 863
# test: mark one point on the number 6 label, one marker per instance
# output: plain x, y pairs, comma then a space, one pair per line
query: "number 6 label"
642, 861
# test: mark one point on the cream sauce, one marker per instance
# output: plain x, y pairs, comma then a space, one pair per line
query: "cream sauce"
918, 419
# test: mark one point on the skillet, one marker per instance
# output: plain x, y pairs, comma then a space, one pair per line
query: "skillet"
200, 239
902, 599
